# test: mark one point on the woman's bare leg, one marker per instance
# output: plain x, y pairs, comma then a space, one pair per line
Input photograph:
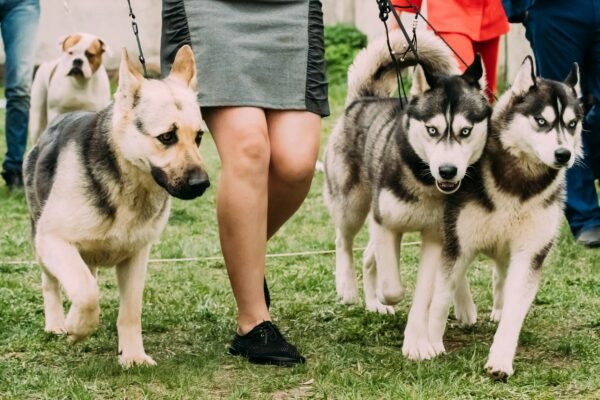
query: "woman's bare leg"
242, 140
294, 142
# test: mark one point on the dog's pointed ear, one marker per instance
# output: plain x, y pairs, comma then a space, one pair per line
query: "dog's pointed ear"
184, 67
130, 79
475, 73
420, 81
572, 80
525, 78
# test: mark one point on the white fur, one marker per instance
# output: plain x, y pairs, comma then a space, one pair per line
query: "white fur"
53, 92
439, 152
370, 59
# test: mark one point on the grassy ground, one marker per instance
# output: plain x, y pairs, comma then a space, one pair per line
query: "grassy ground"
352, 354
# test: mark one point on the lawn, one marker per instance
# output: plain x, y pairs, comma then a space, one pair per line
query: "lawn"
189, 316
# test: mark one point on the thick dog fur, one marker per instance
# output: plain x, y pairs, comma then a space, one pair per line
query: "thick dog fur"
512, 207
75, 81
97, 187
397, 165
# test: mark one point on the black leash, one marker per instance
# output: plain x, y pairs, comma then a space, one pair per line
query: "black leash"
418, 14
385, 7
413, 44
134, 26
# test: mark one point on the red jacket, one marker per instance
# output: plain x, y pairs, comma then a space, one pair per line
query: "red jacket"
480, 20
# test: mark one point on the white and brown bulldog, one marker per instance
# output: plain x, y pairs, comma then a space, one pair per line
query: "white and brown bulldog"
77, 80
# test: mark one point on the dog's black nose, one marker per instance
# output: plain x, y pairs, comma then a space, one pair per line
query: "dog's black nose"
562, 155
78, 62
198, 180
447, 171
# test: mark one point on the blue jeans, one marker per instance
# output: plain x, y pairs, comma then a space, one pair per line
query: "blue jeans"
562, 32
19, 24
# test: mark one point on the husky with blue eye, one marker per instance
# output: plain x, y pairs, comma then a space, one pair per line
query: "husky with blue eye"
98, 187
512, 207
397, 165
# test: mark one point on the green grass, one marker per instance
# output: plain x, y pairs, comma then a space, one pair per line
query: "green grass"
189, 316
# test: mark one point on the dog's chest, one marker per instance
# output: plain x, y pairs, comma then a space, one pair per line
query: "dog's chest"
64, 96
405, 216
512, 224
122, 237
67, 101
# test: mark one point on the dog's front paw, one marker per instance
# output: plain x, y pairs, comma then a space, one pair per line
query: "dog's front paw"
420, 349
499, 368
495, 315
130, 360
438, 347
347, 290
82, 321
374, 305
466, 314
56, 328
390, 294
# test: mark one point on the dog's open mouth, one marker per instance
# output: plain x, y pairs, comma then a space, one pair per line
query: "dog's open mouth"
76, 72
447, 187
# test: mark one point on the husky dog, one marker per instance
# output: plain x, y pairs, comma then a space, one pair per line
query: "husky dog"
398, 164
98, 185
512, 207
75, 81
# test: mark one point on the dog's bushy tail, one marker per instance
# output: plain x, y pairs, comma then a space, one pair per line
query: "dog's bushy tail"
372, 74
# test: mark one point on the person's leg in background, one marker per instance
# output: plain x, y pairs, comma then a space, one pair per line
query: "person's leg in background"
592, 122
19, 23
462, 45
466, 49
560, 36
489, 54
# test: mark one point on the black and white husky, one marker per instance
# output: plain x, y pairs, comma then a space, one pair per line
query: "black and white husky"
98, 186
397, 165
512, 207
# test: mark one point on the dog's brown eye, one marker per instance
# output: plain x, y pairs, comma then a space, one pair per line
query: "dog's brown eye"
88, 54
168, 138
199, 137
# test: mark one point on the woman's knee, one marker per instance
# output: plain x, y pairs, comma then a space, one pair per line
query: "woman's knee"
292, 170
247, 154
242, 140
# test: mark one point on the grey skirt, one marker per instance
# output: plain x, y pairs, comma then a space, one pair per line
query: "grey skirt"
268, 54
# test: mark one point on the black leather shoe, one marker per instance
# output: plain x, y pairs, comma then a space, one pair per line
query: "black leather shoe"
264, 344
13, 179
589, 237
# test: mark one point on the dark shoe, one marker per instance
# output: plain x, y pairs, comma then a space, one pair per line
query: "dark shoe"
589, 237
13, 179
264, 344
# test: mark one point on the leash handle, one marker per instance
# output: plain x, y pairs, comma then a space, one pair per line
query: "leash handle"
134, 27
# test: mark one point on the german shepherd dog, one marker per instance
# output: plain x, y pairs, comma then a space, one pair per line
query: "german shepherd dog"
97, 187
